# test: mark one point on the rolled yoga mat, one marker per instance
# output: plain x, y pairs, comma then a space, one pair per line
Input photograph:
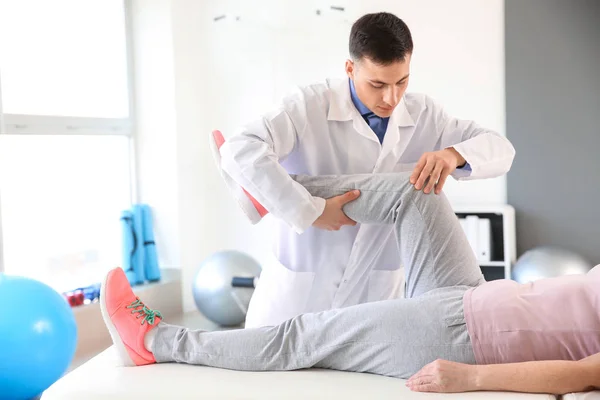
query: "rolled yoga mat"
138, 253
151, 268
129, 241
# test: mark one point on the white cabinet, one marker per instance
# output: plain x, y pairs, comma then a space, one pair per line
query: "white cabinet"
502, 237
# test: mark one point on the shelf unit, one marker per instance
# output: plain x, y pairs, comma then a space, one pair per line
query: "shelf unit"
503, 235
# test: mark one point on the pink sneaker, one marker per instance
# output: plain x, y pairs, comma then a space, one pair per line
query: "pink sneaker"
128, 320
250, 206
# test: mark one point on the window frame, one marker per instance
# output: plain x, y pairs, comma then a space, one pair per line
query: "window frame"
31, 124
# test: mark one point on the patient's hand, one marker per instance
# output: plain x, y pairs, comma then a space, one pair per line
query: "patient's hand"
444, 377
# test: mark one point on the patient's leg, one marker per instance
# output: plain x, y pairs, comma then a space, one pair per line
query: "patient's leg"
433, 247
393, 338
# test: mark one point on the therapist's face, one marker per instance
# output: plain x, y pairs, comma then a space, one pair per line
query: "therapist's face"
379, 87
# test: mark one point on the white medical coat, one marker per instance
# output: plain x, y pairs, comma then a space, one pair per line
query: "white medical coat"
319, 131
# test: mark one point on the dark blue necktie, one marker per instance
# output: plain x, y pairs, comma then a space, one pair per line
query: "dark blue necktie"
377, 124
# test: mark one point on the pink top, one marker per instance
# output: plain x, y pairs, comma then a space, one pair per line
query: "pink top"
550, 319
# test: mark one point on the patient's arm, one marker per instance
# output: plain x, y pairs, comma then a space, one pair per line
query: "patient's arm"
556, 377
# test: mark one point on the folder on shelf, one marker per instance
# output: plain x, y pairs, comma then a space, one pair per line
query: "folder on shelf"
484, 242
472, 231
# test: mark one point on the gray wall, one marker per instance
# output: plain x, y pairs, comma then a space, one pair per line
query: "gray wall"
553, 120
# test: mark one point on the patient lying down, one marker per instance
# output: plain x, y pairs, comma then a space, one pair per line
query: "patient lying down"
453, 333
332, 339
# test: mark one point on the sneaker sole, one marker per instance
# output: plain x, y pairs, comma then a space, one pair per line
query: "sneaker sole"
238, 193
124, 356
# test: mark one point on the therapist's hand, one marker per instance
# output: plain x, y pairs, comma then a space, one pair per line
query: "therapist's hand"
333, 217
444, 377
436, 166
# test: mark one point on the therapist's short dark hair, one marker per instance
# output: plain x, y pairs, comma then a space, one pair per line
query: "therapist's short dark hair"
381, 37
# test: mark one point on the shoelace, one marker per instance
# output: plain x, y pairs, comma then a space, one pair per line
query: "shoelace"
144, 312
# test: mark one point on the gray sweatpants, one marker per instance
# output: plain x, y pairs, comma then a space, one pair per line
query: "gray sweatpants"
393, 337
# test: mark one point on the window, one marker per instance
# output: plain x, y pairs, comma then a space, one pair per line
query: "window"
63, 57
65, 139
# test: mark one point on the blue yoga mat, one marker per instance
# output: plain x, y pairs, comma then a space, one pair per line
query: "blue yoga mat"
151, 268
138, 254
129, 241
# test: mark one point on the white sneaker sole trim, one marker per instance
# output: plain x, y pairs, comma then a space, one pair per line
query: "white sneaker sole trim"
124, 357
238, 193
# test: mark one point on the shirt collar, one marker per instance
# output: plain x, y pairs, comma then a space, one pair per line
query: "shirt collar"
362, 109
341, 107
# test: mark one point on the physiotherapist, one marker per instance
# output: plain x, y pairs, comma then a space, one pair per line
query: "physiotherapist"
366, 123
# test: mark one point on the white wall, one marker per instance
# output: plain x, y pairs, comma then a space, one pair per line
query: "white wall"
156, 135
216, 88
228, 72
459, 60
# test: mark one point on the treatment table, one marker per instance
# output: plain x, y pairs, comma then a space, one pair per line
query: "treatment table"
101, 378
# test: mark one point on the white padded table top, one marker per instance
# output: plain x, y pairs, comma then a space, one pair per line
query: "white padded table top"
595, 395
100, 378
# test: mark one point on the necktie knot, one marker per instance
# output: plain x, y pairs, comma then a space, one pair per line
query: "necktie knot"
377, 124
372, 117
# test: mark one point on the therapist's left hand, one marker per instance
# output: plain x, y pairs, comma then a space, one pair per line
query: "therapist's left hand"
437, 166
443, 376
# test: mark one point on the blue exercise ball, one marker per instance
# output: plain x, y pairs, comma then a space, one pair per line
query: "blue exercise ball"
548, 262
38, 336
223, 286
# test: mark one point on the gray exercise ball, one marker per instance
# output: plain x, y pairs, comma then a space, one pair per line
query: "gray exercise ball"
223, 286
548, 262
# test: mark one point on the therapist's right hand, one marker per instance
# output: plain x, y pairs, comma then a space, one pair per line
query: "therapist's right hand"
333, 217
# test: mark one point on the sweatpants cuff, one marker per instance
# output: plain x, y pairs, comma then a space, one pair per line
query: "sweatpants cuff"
164, 342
